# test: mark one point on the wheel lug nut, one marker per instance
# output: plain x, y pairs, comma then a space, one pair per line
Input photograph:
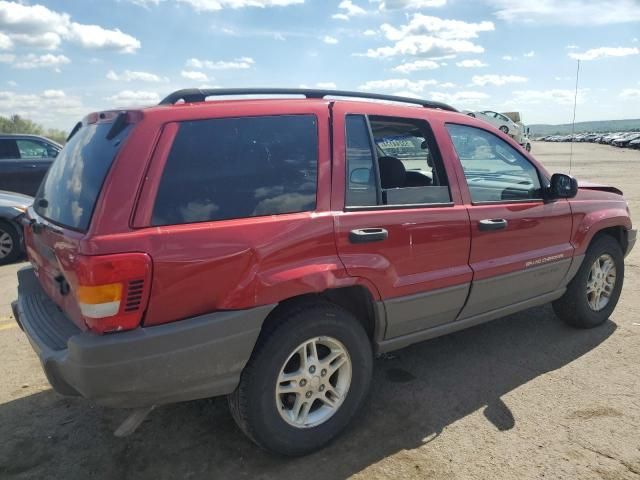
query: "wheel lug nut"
323, 372
321, 388
312, 369
309, 394
303, 382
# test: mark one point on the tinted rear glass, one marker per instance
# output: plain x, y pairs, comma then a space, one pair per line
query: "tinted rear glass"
70, 190
228, 168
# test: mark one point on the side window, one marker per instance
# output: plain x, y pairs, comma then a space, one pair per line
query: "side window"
361, 174
494, 170
227, 168
9, 149
32, 149
411, 171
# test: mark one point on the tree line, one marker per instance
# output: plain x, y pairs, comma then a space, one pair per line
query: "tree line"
17, 124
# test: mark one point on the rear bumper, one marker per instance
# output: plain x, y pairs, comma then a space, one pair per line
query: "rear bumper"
631, 241
193, 358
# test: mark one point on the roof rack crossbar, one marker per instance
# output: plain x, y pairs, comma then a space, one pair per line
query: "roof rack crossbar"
194, 95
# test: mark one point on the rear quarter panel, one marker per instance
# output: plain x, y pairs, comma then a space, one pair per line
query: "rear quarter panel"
222, 265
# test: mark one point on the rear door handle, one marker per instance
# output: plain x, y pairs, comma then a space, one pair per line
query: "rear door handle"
365, 235
490, 224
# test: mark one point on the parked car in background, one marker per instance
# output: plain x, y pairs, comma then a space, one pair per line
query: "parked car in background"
624, 140
24, 161
500, 121
634, 144
266, 249
12, 207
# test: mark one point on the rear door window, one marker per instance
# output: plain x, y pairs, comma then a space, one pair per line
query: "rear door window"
228, 168
70, 190
8, 149
396, 157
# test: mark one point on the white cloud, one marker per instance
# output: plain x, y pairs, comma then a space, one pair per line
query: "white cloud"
133, 76
429, 36
51, 107
241, 63
7, 58
215, 5
471, 64
327, 85
48, 60
603, 52
630, 94
530, 54
127, 98
330, 40
571, 47
416, 66
553, 96
195, 76
462, 99
369, 33
568, 12
38, 26
498, 80
5, 42
507, 58
397, 84
347, 10
12, 83
97, 38
409, 4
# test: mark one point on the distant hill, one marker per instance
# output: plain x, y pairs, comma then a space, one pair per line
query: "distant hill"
599, 126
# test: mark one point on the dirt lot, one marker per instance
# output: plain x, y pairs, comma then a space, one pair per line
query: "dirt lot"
522, 397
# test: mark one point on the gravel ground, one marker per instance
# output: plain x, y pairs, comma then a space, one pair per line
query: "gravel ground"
522, 397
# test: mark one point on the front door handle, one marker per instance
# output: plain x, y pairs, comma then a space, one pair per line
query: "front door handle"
490, 224
365, 235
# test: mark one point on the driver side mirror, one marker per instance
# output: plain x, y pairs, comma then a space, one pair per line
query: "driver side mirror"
563, 186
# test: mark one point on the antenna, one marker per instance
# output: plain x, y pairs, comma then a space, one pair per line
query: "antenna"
573, 122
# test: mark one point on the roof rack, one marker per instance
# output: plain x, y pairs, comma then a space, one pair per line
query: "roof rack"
193, 95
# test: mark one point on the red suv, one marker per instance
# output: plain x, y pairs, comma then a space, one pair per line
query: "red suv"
266, 249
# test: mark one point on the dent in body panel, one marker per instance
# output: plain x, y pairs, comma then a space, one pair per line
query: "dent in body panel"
241, 264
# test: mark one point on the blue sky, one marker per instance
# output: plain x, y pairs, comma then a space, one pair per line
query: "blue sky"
60, 59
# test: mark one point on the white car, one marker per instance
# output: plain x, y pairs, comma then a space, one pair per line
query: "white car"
498, 120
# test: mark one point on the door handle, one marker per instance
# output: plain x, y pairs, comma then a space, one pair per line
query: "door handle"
365, 235
490, 224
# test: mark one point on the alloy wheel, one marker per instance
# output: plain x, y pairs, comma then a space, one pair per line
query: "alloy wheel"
601, 282
313, 382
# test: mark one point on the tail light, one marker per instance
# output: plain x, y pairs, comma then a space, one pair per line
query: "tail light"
112, 290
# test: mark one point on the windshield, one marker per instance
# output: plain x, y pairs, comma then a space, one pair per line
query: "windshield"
70, 190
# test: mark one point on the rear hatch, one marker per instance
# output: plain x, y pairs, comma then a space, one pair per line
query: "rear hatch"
62, 214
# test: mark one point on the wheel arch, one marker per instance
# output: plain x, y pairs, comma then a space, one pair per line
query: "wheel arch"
356, 299
616, 225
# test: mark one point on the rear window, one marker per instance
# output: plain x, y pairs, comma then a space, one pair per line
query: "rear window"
70, 190
227, 168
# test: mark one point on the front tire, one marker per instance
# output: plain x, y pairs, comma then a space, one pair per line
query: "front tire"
504, 129
593, 293
307, 378
9, 243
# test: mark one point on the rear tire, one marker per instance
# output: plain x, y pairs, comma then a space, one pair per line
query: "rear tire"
9, 243
270, 417
593, 293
